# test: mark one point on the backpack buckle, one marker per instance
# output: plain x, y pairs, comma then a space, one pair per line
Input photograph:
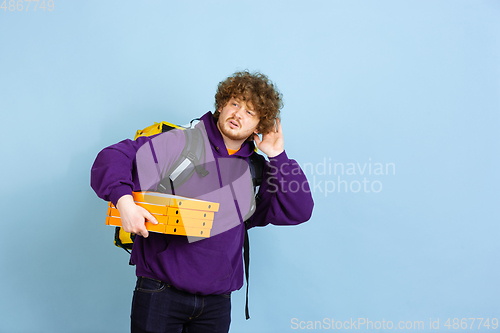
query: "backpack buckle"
192, 157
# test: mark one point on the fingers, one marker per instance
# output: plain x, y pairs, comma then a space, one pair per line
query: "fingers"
134, 218
141, 222
257, 140
146, 216
143, 232
136, 225
278, 125
149, 216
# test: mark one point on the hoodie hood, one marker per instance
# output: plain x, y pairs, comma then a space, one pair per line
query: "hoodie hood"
217, 142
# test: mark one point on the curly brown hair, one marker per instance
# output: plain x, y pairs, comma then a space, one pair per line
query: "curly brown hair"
254, 89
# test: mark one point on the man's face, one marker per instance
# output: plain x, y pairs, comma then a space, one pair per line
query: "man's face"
237, 121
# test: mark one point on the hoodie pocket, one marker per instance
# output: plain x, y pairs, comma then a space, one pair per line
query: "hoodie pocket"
196, 269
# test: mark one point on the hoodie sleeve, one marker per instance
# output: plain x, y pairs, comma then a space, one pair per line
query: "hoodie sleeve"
130, 165
111, 173
284, 197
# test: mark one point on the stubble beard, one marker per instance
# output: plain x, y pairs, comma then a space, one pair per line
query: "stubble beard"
230, 134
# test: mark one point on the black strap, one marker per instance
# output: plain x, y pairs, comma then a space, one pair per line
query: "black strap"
256, 170
246, 259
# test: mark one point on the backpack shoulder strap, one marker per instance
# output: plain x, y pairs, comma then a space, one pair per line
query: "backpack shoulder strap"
256, 170
189, 161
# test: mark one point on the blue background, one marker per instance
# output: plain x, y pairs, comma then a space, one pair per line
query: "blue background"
413, 83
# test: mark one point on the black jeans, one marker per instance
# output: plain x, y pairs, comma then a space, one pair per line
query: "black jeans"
158, 307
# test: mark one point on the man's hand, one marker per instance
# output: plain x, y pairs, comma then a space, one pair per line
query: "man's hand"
134, 217
272, 143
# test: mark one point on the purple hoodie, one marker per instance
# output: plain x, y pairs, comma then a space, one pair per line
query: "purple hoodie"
213, 265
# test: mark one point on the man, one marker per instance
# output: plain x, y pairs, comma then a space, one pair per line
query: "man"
185, 284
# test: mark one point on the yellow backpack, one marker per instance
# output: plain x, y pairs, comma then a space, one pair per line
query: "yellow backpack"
193, 153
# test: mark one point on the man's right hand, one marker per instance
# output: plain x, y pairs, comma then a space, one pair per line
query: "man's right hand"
134, 217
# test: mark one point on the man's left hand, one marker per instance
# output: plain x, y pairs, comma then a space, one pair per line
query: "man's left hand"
272, 143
